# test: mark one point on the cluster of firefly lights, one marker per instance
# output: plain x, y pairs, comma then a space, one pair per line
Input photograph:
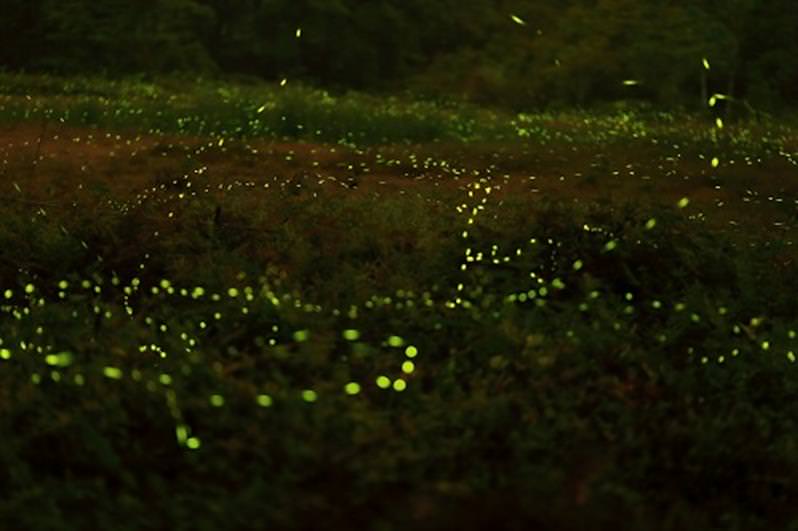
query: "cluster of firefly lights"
399, 384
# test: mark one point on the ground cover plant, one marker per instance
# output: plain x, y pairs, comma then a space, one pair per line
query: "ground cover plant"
230, 306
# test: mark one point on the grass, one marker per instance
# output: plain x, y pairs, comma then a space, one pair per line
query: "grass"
207, 327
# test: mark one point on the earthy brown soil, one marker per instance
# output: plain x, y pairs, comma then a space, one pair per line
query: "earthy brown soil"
51, 166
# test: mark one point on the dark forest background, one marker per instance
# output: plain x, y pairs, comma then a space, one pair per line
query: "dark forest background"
568, 52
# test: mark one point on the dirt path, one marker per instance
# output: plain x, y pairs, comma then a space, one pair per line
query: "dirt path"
51, 164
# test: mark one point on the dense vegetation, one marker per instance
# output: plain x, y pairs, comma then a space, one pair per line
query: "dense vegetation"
398, 264
517, 54
271, 307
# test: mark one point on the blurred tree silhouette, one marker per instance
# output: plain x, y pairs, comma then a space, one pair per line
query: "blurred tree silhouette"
117, 36
20, 32
553, 51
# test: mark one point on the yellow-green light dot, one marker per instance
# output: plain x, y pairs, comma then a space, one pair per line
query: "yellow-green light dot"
264, 400
193, 443
765, 345
232, 292
8, 294
399, 385
182, 433
79, 380
63, 284
408, 367
791, 356
411, 351
683, 202
62, 359
217, 400
309, 395
5, 353
395, 341
351, 334
112, 372
612, 244
165, 379
301, 335
651, 223
165, 284
29, 289
578, 265
383, 382
352, 388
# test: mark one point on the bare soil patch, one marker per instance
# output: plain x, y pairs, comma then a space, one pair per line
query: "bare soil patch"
53, 165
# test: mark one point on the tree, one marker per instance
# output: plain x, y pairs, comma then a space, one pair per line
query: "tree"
121, 37
20, 33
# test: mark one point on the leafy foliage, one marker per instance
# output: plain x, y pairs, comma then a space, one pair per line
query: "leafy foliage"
503, 53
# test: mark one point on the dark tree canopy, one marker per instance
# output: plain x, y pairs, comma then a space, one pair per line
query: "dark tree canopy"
553, 51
